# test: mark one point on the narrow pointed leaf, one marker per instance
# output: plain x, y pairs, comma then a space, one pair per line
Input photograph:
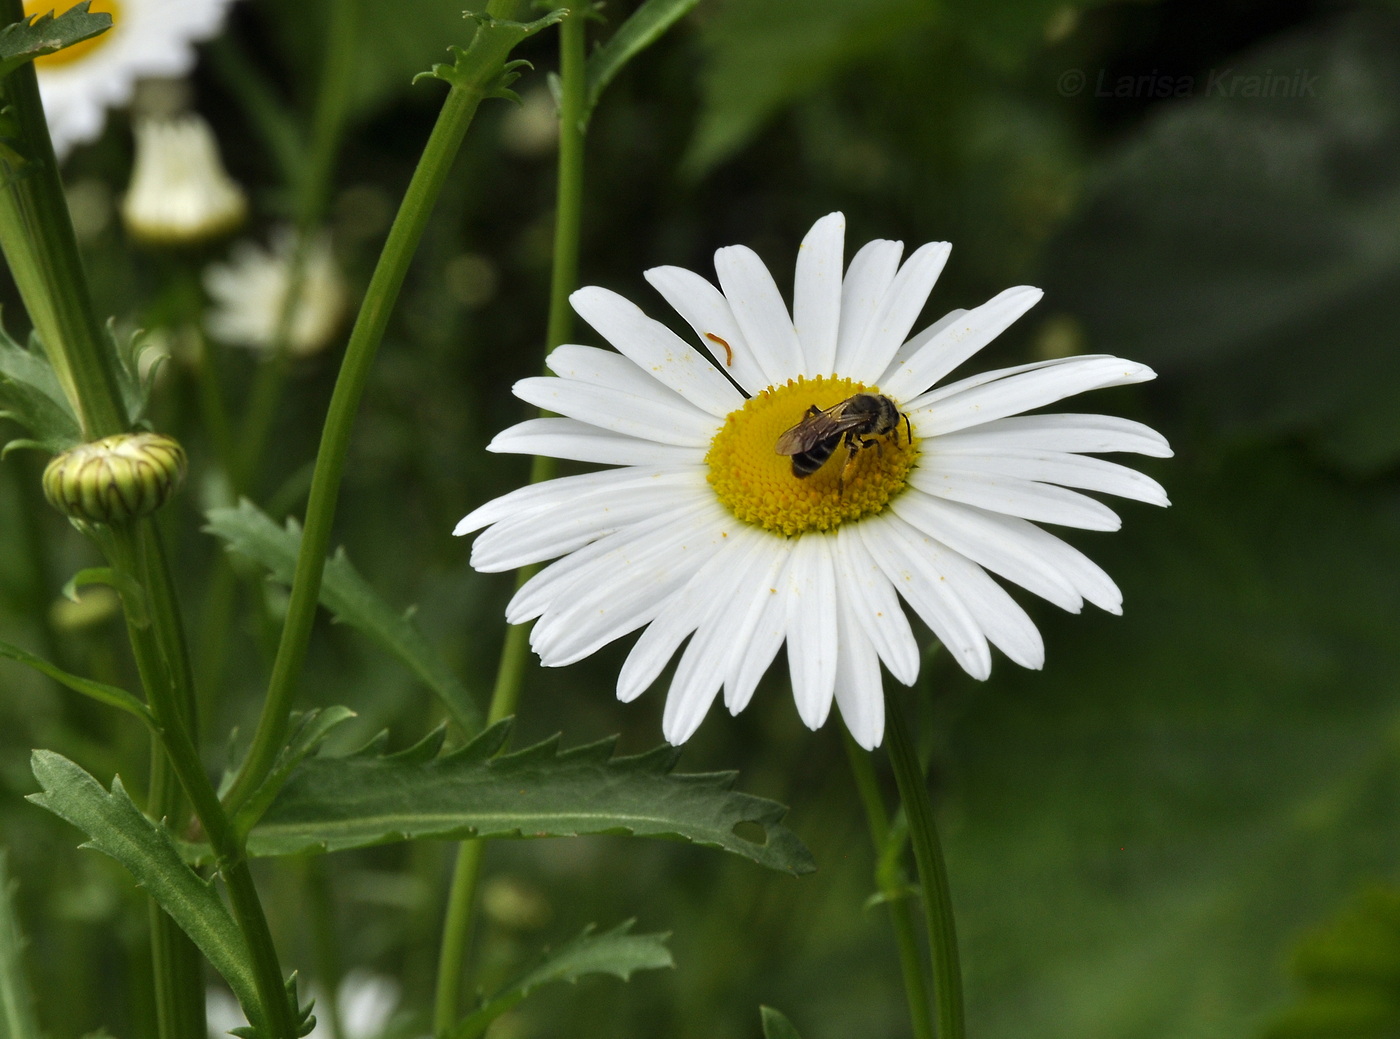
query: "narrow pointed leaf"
17, 1020
643, 28
481, 66
111, 695
309, 730
31, 395
330, 804
775, 1025
36, 36
115, 826
250, 532
617, 952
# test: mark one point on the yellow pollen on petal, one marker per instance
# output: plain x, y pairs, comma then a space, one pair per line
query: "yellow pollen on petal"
78, 51
757, 484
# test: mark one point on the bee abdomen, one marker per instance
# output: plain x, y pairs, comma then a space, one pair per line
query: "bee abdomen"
809, 461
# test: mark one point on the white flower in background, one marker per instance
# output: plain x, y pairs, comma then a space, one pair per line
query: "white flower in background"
180, 191
250, 290
704, 531
147, 38
364, 1001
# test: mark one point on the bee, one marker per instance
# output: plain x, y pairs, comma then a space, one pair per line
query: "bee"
856, 421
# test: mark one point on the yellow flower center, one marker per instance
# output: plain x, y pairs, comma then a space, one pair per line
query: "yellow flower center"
757, 484
78, 51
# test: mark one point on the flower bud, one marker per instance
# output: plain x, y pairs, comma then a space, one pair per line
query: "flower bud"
116, 478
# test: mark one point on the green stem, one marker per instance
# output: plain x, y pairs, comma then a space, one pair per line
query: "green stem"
510, 673
423, 190
933, 873
163, 664
36, 234
893, 886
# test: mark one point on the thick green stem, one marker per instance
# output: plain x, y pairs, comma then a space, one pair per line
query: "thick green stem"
163, 663
933, 874
423, 190
894, 888
510, 672
36, 234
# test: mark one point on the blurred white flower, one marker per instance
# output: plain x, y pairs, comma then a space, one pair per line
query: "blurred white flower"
747, 509
180, 191
147, 38
249, 292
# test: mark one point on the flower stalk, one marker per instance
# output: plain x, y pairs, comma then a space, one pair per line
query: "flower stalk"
933, 873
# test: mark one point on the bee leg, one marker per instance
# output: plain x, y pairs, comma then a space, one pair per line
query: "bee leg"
908, 430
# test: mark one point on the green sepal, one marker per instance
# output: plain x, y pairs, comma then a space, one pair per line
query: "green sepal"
133, 595
642, 28
117, 828
367, 798
37, 35
252, 533
481, 65
32, 396
111, 695
615, 952
775, 1025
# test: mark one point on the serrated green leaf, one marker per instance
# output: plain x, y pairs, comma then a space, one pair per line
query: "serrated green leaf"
330, 804
481, 65
251, 533
617, 952
775, 1025
31, 395
643, 27
1350, 973
111, 695
116, 827
36, 36
309, 730
17, 1020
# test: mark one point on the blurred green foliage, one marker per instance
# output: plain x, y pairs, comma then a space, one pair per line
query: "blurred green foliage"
1138, 836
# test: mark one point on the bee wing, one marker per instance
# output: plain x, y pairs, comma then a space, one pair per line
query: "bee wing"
813, 429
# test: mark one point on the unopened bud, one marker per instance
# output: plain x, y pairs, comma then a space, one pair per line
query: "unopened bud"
116, 478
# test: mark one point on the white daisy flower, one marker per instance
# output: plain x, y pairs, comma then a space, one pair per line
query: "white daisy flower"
706, 531
147, 38
180, 191
250, 290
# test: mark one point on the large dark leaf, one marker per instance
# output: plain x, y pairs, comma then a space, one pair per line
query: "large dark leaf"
329, 804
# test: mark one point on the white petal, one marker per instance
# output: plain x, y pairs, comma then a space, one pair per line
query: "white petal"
1081, 434
611, 370
871, 600
810, 590
556, 493
591, 615
1000, 617
534, 536
990, 540
706, 310
656, 350
921, 581
760, 311
816, 296
895, 314
680, 423
859, 690
708, 591
765, 634
944, 346
1042, 502
995, 395
581, 442
1067, 470
868, 278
